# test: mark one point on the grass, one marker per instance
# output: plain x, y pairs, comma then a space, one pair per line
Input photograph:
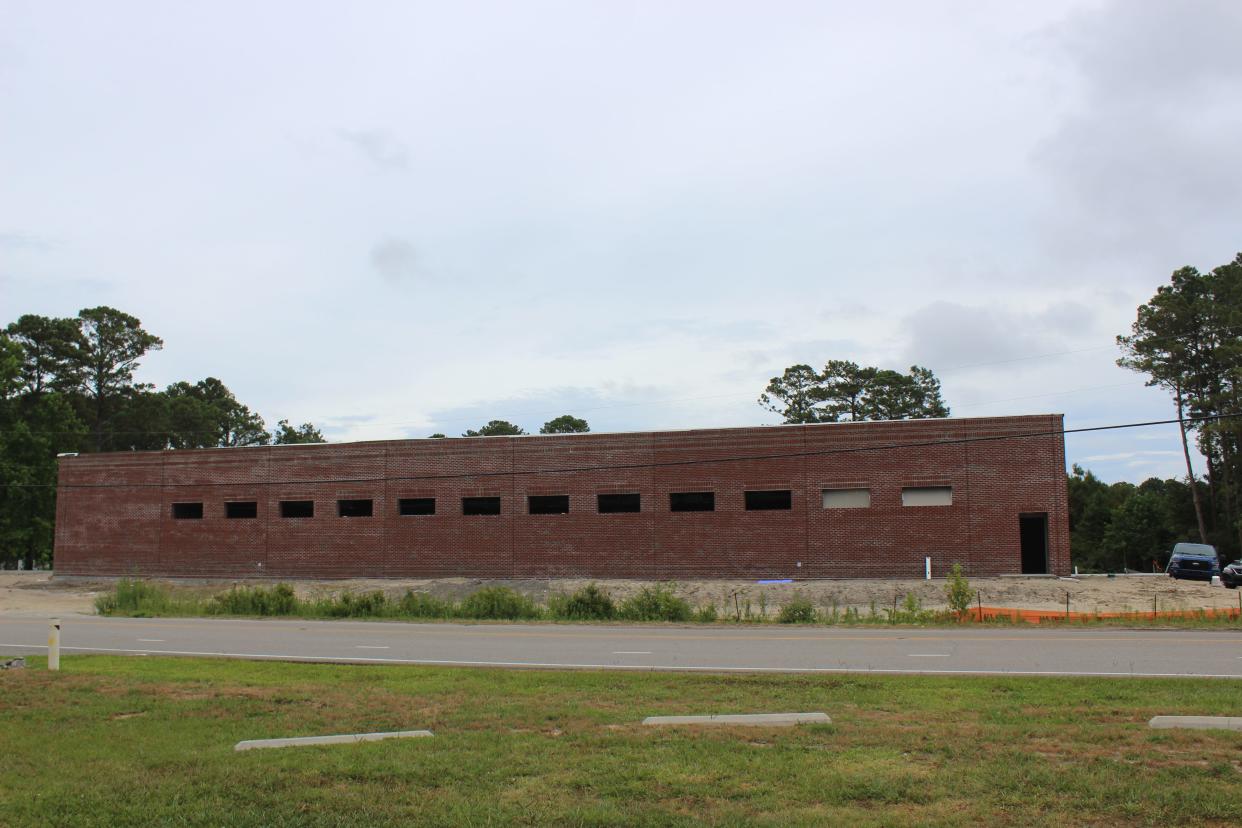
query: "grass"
139, 598
118, 741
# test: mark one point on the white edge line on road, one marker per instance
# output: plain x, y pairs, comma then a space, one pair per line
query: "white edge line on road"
372, 647
928, 655
652, 667
631, 652
153, 640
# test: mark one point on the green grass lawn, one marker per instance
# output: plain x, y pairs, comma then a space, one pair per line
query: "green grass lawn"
137, 740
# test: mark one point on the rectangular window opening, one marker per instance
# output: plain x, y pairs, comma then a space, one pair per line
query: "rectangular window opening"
297, 508
354, 508
548, 504
769, 500
614, 503
241, 509
416, 506
847, 498
692, 502
480, 505
187, 511
927, 496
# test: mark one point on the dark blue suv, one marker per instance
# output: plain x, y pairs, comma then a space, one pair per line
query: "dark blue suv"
1196, 561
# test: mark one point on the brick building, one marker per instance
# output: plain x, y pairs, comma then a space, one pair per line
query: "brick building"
839, 500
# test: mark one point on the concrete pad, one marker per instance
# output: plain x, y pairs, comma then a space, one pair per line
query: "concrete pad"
253, 744
1197, 722
743, 720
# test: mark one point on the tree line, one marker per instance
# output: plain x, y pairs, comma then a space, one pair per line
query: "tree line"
1187, 339
67, 385
564, 424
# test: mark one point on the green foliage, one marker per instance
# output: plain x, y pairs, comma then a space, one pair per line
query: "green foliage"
420, 605
1120, 525
910, 611
847, 392
242, 600
706, 614
1186, 340
68, 385
495, 428
207, 414
285, 434
498, 603
588, 604
658, 603
565, 424
136, 598
957, 591
358, 605
797, 610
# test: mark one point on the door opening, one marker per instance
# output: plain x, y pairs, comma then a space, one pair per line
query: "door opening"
1033, 531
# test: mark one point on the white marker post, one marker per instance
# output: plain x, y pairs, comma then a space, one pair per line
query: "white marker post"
927, 564
53, 644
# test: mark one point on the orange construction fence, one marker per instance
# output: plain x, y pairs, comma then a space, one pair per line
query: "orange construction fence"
1040, 616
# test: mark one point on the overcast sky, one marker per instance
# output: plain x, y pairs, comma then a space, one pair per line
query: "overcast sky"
400, 218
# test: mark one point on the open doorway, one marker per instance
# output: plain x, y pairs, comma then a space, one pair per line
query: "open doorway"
1033, 531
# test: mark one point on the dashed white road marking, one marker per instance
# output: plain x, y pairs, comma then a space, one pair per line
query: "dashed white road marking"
631, 652
371, 647
928, 655
672, 668
153, 640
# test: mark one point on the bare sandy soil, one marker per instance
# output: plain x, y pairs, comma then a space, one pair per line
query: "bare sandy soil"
40, 594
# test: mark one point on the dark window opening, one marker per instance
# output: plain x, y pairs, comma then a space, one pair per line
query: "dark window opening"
187, 511
1033, 532
548, 504
297, 508
241, 509
692, 502
613, 503
760, 501
480, 505
416, 506
353, 508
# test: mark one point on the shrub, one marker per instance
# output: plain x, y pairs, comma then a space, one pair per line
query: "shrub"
356, 605
134, 597
705, 614
588, 603
797, 611
278, 600
957, 591
499, 603
655, 604
420, 605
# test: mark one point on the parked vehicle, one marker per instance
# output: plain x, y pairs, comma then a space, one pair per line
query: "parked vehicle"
1195, 561
1231, 575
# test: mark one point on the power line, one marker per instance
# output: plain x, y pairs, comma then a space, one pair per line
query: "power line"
667, 463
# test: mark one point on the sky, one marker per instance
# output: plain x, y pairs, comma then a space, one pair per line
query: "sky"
400, 218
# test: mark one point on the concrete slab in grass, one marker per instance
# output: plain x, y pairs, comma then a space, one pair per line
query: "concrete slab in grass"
1197, 722
254, 744
743, 719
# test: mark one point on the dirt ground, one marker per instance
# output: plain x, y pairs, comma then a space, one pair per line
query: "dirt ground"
41, 594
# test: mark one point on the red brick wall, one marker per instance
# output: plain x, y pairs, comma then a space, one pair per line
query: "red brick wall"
114, 513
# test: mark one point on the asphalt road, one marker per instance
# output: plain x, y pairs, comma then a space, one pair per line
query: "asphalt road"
710, 648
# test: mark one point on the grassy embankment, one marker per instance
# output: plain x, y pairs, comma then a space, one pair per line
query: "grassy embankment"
661, 603
126, 741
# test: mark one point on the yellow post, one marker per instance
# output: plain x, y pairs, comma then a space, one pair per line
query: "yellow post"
53, 644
